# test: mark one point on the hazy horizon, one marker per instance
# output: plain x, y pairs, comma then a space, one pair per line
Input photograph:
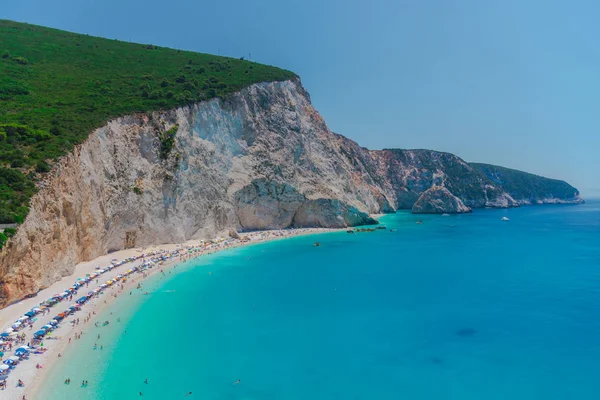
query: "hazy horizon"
509, 84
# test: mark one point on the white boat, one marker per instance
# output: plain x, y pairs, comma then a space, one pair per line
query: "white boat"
445, 215
505, 219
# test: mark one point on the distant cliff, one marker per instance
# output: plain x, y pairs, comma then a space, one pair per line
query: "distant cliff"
261, 159
528, 188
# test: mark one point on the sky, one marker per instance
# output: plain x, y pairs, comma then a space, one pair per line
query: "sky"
513, 83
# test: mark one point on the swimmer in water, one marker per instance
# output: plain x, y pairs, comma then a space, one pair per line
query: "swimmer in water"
188, 394
237, 382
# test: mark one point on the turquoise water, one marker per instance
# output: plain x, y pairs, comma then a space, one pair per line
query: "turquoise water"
460, 307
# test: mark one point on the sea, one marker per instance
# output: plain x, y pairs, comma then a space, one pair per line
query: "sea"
464, 307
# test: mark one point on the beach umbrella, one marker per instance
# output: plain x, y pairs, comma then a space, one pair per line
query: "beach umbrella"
4, 334
13, 358
12, 334
4, 367
3, 377
16, 325
41, 332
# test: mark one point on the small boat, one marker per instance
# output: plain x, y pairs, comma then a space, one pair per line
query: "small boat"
445, 215
505, 219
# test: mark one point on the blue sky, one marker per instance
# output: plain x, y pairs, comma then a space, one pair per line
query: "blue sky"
515, 83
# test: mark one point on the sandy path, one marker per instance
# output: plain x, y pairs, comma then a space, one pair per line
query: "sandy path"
27, 371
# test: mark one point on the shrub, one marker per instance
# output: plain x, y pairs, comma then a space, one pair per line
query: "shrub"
10, 232
42, 167
3, 239
17, 163
167, 141
6, 54
180, 79
157, 94
20, 60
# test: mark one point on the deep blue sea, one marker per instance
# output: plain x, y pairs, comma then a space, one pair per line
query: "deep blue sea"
462, 307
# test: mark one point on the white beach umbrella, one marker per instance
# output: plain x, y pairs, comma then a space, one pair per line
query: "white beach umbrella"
9, 330
13, 358
4, 367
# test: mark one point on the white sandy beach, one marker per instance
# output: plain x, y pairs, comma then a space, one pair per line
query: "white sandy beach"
33, 377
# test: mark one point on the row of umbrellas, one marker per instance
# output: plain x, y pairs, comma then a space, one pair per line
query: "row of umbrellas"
44, 330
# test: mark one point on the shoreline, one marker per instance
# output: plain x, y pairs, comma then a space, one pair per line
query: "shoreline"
35, 378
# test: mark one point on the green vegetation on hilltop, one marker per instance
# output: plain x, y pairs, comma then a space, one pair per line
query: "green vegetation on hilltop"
56, 87
523, 185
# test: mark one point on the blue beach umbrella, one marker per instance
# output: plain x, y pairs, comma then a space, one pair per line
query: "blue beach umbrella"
4, 334
41, 332
3, 377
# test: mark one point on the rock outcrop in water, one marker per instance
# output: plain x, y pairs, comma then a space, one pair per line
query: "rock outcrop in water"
439, 200
261, 159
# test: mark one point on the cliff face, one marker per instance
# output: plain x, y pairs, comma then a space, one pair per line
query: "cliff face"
262, 159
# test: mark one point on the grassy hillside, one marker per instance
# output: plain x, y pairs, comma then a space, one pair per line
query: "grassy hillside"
56, 87
523, 185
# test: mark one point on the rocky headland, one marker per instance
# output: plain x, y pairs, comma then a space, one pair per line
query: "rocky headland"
263, 158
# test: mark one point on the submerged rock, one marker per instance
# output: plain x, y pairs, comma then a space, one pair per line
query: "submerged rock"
439, 200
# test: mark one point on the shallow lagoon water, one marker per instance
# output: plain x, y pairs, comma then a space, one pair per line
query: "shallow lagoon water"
459, 307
